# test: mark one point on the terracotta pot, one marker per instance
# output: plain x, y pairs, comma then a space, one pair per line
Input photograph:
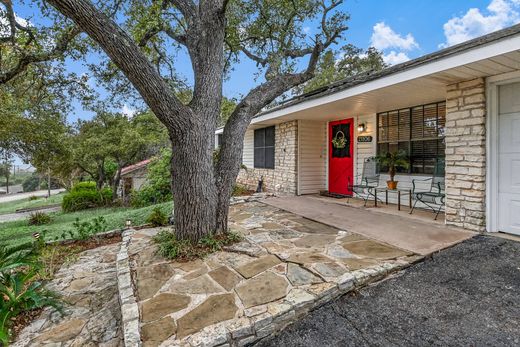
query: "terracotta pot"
392, 184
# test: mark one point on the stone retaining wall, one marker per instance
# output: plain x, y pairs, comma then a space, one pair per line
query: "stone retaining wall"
283, 178
466, 155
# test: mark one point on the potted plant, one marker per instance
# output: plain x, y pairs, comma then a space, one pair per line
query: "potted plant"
393, 160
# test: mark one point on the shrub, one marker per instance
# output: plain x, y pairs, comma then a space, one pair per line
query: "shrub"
85, 230
34, 197
157, 218
170, 247
39, 218
31, 183
157, 188
19, 289
84, 196
239, 190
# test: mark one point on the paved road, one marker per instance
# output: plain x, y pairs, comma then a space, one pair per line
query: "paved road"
468, 295
11, 217
20, 196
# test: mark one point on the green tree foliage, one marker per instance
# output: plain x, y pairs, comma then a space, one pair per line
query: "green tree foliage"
157, 188
347, 62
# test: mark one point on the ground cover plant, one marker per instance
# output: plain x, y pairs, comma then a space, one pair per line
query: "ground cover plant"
173, 248
39, 218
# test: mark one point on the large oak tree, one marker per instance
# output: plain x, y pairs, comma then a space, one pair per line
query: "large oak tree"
216, 34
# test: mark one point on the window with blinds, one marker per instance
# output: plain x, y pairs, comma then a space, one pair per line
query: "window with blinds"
419, 131
264, 148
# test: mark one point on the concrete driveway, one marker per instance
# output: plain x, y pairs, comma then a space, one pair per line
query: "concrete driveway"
468, 295
419, 236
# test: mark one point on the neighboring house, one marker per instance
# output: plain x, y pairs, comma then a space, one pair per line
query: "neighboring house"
133, 177
461, 104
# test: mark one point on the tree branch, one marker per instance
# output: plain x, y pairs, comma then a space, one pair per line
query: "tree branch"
127, 56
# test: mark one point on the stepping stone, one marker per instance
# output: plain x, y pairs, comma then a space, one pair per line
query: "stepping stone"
272, 226
352, 237
156, 332
63, 332
284, 234
373, 249
216, 308
336, 251
329, 269
299, 276
262, 289
79, 284
256, 266
225, 277
245, 247
356, 264
200, 285
189, 266
163, 304
314, 240
307, 258
151, 278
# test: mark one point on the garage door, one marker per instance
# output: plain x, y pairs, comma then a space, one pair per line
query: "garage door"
509, 159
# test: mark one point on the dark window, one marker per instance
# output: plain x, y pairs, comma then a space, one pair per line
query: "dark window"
419, 131
219, 140
264, 148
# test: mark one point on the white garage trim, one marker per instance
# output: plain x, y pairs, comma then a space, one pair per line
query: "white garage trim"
492, 146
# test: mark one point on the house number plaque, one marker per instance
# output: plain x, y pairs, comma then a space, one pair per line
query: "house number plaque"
364, 139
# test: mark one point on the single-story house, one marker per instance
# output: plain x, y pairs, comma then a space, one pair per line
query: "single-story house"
460, 104
133, 177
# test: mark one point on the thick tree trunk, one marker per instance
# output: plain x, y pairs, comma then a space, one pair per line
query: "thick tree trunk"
193, 183
101, 177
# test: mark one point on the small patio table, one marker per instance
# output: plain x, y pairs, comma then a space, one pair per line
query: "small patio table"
399, 191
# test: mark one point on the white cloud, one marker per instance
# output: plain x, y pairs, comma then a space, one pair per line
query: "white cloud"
128, 111
384, 37
5, 29
394, 57
393, 45
474, 23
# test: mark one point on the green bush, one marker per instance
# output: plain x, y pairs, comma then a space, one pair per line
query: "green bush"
85, 230
239, 190
34, 197
157, 188
19, 288
84, 195
157, 218
83, 186
31, 183
39, 218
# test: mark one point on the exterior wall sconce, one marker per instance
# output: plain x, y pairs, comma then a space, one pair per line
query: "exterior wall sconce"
361, 128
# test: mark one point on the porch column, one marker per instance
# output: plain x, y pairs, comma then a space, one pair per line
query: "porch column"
466, 155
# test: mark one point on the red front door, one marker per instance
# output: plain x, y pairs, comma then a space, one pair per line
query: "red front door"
341, 156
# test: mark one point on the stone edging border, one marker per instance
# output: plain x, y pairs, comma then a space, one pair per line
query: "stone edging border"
129, 308
247, 330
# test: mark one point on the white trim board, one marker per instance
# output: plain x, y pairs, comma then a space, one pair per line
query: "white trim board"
492, 145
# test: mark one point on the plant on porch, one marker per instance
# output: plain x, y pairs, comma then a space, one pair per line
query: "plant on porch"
393, 161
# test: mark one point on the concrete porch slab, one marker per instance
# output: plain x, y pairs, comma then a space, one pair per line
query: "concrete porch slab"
415, 235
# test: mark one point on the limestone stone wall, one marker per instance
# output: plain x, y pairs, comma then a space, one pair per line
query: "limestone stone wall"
466, 155
283, 178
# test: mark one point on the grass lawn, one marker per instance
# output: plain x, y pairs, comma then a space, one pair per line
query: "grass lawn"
12, 206
19, 231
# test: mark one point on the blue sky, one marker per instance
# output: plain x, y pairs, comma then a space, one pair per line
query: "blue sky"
401, 29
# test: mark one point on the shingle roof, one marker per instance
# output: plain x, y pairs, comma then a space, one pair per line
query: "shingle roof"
370, 76
135, 166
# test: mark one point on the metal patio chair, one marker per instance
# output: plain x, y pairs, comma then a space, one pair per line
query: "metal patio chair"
369, 181
434, 198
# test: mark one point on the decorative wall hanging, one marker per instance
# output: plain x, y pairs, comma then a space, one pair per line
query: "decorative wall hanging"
340, 141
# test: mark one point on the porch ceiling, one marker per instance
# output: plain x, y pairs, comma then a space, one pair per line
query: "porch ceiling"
430, 87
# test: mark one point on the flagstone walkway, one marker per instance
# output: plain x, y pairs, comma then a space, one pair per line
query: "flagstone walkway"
92, 315
285, 266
